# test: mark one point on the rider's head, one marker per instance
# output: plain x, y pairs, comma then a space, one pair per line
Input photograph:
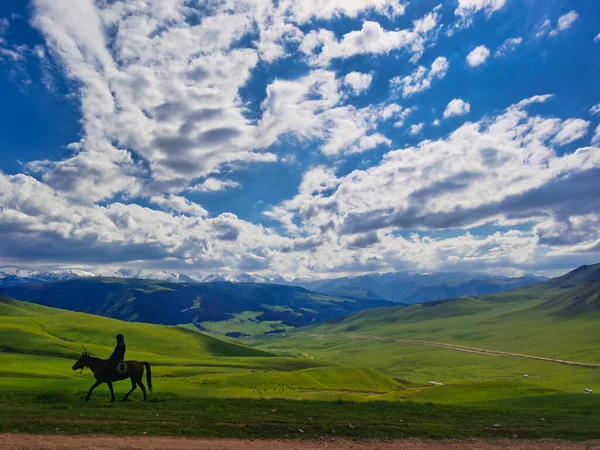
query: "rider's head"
120, 338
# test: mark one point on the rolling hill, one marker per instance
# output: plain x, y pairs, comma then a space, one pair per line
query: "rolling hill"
235, 309
453, 341
556, 318
39, 344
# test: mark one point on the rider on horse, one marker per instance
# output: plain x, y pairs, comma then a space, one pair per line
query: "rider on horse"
115, 361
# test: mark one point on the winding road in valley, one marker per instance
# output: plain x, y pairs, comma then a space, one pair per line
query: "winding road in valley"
461, 348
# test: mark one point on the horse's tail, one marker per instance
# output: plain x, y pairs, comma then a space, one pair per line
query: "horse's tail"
148, 375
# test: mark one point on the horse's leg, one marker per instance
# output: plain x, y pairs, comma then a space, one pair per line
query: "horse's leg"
133, 387
112, 392
96, 384
143, 388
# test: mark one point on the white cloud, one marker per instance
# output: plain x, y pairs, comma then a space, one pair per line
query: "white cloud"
457, 107
322, 46
597, 38
172, 99
179, 204
421, 78
416, 129
396, 112
502, 170
436, 123
164, 113
478, 56
214, 185
358, 82
596, 138
307, 9
509, 46
571, 130
467, 8
544, 28
563, 23
595, 109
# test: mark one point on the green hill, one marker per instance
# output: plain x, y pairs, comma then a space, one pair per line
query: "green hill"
559, 318
39, 344
555, 319
235, 309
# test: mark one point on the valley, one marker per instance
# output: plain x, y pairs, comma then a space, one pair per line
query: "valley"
511, 357
240, 309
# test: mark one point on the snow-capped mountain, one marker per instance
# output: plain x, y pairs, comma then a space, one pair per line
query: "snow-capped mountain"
11, 276
401, 287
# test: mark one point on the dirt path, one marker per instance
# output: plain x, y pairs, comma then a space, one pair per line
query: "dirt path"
55, 442
462, 348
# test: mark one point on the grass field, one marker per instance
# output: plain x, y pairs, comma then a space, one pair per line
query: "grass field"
328, 380
567, 417
41, 344
555, 319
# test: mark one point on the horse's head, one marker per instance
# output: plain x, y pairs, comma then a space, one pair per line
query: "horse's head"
83, 361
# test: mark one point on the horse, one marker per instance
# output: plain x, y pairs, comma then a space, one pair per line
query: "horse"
133, 370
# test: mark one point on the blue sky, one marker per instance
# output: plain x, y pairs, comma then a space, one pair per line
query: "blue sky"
300, 137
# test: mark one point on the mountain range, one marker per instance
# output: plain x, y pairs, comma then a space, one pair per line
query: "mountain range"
223, 307
400, 287
556, 319
412, 287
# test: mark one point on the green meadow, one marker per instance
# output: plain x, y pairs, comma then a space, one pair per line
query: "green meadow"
333, 379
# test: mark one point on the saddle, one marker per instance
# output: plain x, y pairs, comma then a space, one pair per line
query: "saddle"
122, 367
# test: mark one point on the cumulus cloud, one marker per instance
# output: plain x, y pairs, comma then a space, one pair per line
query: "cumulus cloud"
457, 107
165, 113
358, 82
310, 108
478, 56
39, 223
597, 38
595, 109
483, 172
508, 46
179, 204
163, 95
421, 78
436, 123
322, 46
416, 129
214, 185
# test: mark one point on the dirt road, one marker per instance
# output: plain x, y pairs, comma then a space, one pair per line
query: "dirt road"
462, 348
55, 442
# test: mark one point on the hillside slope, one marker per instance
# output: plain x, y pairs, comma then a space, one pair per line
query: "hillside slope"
39, 344
34, 329
221, 307
558, 318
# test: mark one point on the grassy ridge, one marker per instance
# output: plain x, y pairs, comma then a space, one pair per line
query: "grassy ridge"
40, 344
558, 319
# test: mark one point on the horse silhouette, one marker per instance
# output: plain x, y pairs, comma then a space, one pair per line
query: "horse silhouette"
105, 373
